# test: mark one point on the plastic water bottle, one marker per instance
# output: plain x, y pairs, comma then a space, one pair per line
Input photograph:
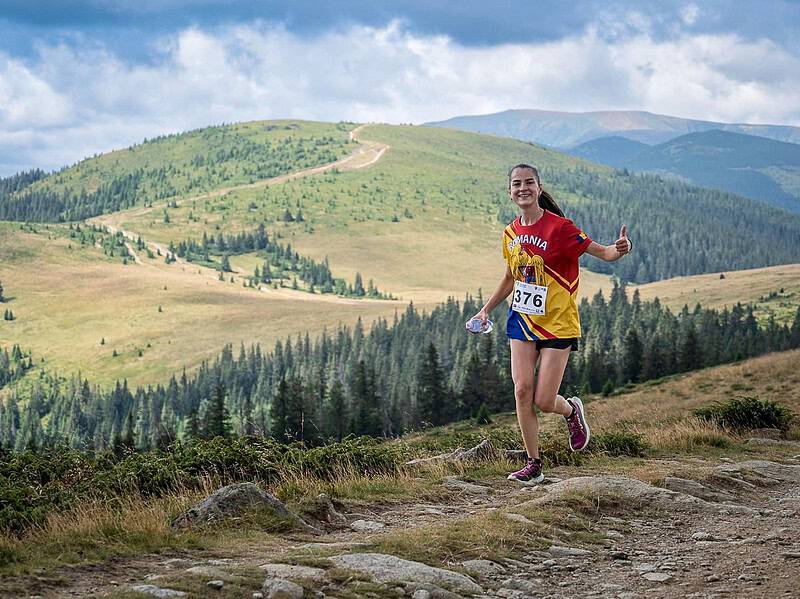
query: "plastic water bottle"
475, 326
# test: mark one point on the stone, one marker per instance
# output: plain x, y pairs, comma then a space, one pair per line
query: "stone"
452, 482
646, 567
701, 536
279, 588
631, 489
761, 471
233, 501
433, 591
421, 594
618, 555
696, 489
215, 584
483, 567
656, 576
258, 595
615, 535
521, 584
386, 568
207, 571
326, 512
791, 554
560, 551
295, 572
366, 525
712, 578
151, 589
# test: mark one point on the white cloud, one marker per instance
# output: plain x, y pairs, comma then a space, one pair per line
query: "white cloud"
689, 14
75, 100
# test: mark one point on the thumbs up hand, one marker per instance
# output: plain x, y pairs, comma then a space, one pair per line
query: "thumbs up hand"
623, 245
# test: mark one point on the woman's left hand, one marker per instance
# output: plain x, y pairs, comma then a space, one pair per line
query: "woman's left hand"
623, 245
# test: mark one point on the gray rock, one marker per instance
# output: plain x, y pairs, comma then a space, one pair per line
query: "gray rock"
483, 567
696, 489
762, 471
258, 595
515, 455
701, 536
294, 572
151, 589
620, 486
433, 591
656, 576
385, 568
235, 500
207, 571
278, 588
560, 551
712, 578
521, 584
215, 584
421, 594
326, 512
366, 525
452, 482
791, 554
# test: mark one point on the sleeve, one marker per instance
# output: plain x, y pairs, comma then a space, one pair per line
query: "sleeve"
573, 241
504, 242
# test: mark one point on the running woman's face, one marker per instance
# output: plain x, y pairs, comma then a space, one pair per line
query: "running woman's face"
523, 189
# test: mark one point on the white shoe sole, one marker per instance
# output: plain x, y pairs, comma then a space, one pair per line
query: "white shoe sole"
534, 481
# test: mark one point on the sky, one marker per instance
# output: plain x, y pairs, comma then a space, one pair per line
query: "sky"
84, 77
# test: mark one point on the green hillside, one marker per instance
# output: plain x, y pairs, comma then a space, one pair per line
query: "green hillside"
176, 166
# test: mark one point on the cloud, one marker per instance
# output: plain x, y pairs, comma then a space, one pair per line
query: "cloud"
78, 98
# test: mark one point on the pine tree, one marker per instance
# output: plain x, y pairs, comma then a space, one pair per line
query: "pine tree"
632, 357
431, 396
278, 412
217, 417
2, 297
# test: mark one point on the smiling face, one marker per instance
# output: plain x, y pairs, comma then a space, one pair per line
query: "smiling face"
523, 187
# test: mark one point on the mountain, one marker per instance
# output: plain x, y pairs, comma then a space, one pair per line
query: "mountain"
756, 167
569, 129
421, 219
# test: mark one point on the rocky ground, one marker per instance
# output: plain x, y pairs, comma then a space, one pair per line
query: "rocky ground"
732, 530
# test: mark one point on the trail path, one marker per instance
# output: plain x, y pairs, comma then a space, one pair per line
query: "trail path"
745, 546
367, 154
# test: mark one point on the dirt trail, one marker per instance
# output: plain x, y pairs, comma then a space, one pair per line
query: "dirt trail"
748, 548
367, 154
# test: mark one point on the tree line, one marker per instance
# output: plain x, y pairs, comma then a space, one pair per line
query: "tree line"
281, 262
420, 369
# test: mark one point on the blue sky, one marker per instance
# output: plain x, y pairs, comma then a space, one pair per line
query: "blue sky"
80, 77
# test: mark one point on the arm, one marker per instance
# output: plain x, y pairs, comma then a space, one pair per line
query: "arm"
504, 287
611, 253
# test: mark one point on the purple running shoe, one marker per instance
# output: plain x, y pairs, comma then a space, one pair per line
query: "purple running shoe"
578, 428
530, 474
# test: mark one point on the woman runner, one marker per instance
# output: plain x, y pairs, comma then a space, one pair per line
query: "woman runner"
541, 248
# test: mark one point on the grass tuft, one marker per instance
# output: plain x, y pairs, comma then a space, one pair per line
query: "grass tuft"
744, 413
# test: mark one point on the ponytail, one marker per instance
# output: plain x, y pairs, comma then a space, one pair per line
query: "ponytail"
546, 201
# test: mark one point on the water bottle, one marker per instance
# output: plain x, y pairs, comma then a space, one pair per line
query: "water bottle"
475, 326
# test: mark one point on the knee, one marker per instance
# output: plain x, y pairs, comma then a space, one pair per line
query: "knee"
523, 393
546, 404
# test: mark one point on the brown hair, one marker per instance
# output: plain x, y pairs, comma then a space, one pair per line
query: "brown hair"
546, 201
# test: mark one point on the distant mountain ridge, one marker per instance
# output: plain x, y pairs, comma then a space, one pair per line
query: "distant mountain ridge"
756, 167
569, 129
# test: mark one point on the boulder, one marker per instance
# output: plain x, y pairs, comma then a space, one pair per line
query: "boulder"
278, 588
760, 472
631, 489
234, 501
695, 489
151, 589
294, 572
390, 568
483, 567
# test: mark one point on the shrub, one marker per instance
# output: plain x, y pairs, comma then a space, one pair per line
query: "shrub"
746, 413
620, 443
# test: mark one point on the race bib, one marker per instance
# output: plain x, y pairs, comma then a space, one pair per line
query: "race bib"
529, 299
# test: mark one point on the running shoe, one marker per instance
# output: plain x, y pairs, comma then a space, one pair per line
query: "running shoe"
577, 425
530, 474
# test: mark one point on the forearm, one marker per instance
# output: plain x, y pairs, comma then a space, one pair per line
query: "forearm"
609, 253
504, 287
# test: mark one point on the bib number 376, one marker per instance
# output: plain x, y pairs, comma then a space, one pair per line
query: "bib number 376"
529, 299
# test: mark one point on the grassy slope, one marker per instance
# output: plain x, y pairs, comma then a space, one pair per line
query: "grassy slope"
231, 154
66, 301
752, 285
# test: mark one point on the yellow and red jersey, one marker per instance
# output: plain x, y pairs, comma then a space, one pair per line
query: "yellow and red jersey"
559, 243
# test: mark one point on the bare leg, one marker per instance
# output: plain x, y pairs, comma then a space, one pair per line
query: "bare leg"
523, 363
552, 364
